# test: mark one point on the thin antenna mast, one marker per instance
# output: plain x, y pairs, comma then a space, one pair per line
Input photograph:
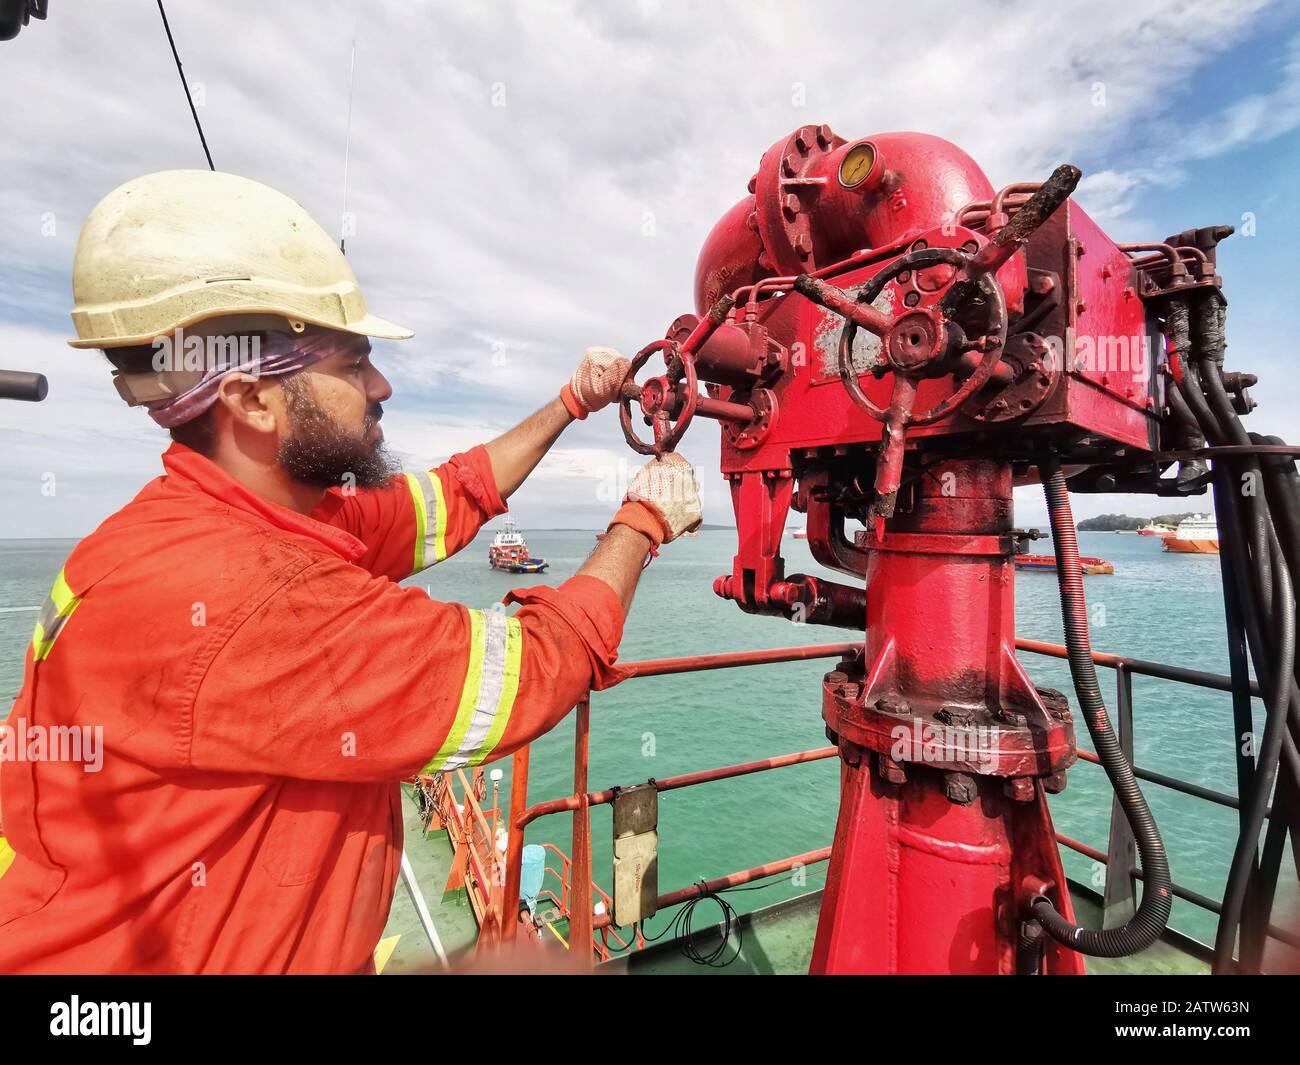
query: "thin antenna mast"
347, 146
186, 85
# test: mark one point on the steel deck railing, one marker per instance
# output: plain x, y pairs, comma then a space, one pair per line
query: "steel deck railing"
578, 892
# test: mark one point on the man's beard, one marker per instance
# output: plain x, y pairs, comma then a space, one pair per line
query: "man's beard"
321, 453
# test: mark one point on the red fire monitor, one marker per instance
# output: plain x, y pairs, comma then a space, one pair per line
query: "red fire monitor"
888, 340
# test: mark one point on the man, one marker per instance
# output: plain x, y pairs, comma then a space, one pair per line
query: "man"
261, 679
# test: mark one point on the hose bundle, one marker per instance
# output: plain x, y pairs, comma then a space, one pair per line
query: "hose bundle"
1153, 911
1257, 504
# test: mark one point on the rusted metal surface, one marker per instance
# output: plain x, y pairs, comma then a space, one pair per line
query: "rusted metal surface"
682, 780
656, 667
993, 322
745, 876
960, 791
580, 921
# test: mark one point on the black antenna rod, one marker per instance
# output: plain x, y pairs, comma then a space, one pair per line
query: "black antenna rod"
347, 147
185, 85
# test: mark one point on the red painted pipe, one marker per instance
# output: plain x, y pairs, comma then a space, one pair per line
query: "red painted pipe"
657, 667
710, 887
684, 780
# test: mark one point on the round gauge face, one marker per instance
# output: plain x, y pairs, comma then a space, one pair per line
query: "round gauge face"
856, 165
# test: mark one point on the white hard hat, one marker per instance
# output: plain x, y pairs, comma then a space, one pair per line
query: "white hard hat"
173, 248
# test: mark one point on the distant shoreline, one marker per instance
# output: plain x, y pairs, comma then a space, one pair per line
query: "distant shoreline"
1128, 523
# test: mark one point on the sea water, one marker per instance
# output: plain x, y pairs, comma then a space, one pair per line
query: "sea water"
1158, 606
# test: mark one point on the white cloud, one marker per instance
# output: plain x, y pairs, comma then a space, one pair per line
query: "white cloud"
519, 229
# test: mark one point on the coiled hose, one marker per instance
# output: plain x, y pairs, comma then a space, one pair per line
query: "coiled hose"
1152, 914
1259, 534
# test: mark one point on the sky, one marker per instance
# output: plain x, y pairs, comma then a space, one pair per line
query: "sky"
530, 179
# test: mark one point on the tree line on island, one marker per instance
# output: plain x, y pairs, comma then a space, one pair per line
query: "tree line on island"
1127, 523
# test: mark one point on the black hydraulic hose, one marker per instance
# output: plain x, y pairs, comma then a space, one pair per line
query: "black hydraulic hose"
1152, 914
1029, 949
1239, 582
1178, 329
1192, 470
1270, 866
1270, 749
1207, 357
1261, 557
1282, 491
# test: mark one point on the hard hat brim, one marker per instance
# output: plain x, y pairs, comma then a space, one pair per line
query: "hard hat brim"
380, 328
369, 326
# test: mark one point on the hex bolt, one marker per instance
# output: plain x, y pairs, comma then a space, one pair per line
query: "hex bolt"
892, 704
956, 716
1021, 789
960, 788
890, 771
1008, 716
1056, 702
1054, 784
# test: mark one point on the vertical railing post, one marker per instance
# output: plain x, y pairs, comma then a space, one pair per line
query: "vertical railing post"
1121, 852
515, 842
580, 920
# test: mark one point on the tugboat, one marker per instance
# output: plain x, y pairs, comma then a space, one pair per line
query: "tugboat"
509, 552
1152, 529
1197, 535
1087, 563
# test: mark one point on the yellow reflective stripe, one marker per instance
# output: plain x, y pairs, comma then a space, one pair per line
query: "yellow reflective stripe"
6, 856
54, 614
468, 695
421, 519
430, 519
509, 689
488, 696
62, 595
440, 521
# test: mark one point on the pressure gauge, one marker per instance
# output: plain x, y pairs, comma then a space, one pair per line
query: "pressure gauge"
857, 164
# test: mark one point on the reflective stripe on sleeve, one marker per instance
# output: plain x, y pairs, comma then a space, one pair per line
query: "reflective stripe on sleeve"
430, 519
53, 616
488, 695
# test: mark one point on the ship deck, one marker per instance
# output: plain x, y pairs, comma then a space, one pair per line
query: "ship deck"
774, 940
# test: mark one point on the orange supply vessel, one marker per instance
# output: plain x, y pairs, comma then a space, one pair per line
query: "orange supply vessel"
1197, 535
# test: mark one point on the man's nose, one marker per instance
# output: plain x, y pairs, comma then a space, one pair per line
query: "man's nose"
379, 389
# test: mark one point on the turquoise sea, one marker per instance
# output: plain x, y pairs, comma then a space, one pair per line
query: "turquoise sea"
1157, 606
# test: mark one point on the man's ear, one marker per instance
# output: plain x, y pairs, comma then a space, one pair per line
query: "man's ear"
250, 402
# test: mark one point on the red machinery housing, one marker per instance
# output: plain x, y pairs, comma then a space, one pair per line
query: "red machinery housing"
886, 338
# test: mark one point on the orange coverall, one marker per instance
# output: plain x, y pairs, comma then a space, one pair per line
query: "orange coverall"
263, 683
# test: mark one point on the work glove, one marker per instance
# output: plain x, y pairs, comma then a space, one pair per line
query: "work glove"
595, 383
663, 500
